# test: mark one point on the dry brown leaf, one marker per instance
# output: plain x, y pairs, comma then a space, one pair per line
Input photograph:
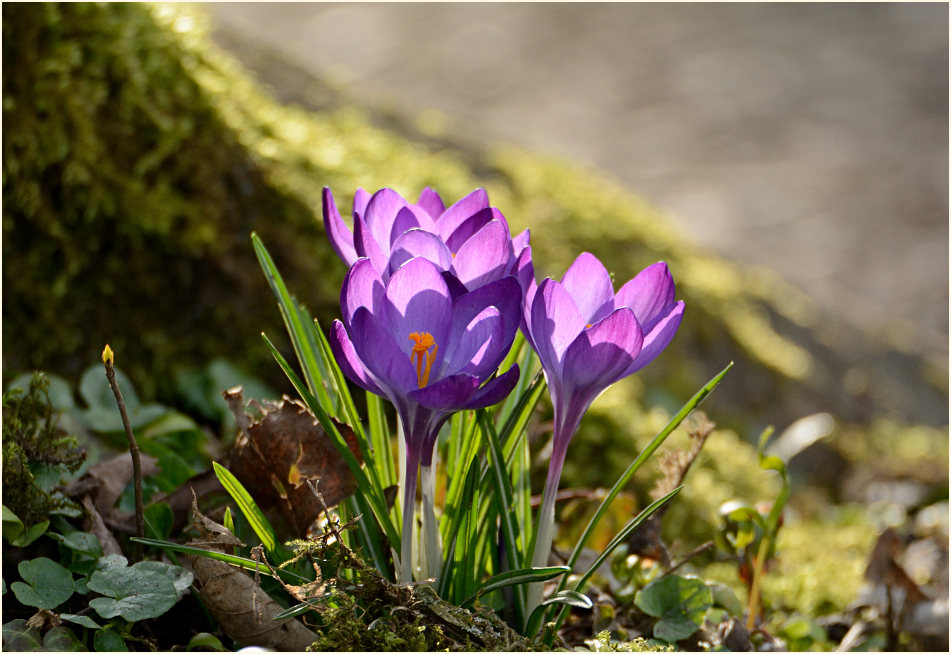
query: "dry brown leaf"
883, 568
242, 610
99, 529
274, 457
106, 480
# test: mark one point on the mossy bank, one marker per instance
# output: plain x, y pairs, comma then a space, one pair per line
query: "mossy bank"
138, 157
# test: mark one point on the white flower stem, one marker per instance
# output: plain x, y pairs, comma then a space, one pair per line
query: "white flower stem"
430, 538
545, 532
409, 519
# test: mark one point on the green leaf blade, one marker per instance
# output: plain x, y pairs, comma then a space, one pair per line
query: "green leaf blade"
252, 513
46, 584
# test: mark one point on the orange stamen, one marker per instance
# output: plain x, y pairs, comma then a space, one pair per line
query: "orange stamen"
421, 355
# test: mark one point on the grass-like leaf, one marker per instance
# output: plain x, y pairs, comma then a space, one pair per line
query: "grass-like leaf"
513, 577
373, 494
565, 597
231, 559
504, 500
252, 513
303, 346
609, 549
691, 404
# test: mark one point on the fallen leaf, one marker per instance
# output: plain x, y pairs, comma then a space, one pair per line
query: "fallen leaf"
237, 603
105, 481
274, 457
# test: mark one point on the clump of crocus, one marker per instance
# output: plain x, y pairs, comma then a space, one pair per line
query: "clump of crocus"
587, 338
469, 242
431, 353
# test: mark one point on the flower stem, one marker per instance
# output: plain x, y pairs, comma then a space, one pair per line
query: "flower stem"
409, 519
433, 559
545, 532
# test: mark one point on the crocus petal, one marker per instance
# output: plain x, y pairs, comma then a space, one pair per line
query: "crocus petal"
417, 300
524, 271
449, 393
459, 212
602, 353
659, 337
381, 212
348, 360
382, 356
521, 241
589, 283
494, 390
417, 243
341, 238
456, 289
360, 200
410, 217
430, 202
555, 323
484, 257
504, 294
362, 287
481, 348
367, 246
405, 220
651, 291
473, 224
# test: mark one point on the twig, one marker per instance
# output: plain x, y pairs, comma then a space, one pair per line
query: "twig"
759, 563
107, 360
689, 555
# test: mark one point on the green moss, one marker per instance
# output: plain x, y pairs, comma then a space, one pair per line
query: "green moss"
138, 157
127, 201
366, 612
819, 565
31, 443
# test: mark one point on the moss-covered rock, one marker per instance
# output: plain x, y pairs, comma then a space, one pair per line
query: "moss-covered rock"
138, 157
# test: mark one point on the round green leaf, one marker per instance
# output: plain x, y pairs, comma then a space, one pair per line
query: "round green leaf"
81, 542
674, 629
673, 597
112, 561
59, 390
19, 637
133, 593
82, 620
107, 640
159, 519
180, 577
95, 390
62, 639
48, 584
724, 596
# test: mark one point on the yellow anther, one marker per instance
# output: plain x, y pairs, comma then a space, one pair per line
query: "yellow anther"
421, 355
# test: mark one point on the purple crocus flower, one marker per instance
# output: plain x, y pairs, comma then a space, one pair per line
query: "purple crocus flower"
469, 242
587, 338
409, 340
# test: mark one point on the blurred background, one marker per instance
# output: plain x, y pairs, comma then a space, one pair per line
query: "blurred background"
797, 142
808, 138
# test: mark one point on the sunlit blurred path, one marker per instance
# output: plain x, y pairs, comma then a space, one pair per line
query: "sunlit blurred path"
811, 138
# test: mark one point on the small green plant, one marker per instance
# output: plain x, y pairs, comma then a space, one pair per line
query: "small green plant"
36, 459
85, 581
83, 598
750, 533
483, 547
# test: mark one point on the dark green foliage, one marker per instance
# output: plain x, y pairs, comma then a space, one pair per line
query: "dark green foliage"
138, 158
127, 204
31, 441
